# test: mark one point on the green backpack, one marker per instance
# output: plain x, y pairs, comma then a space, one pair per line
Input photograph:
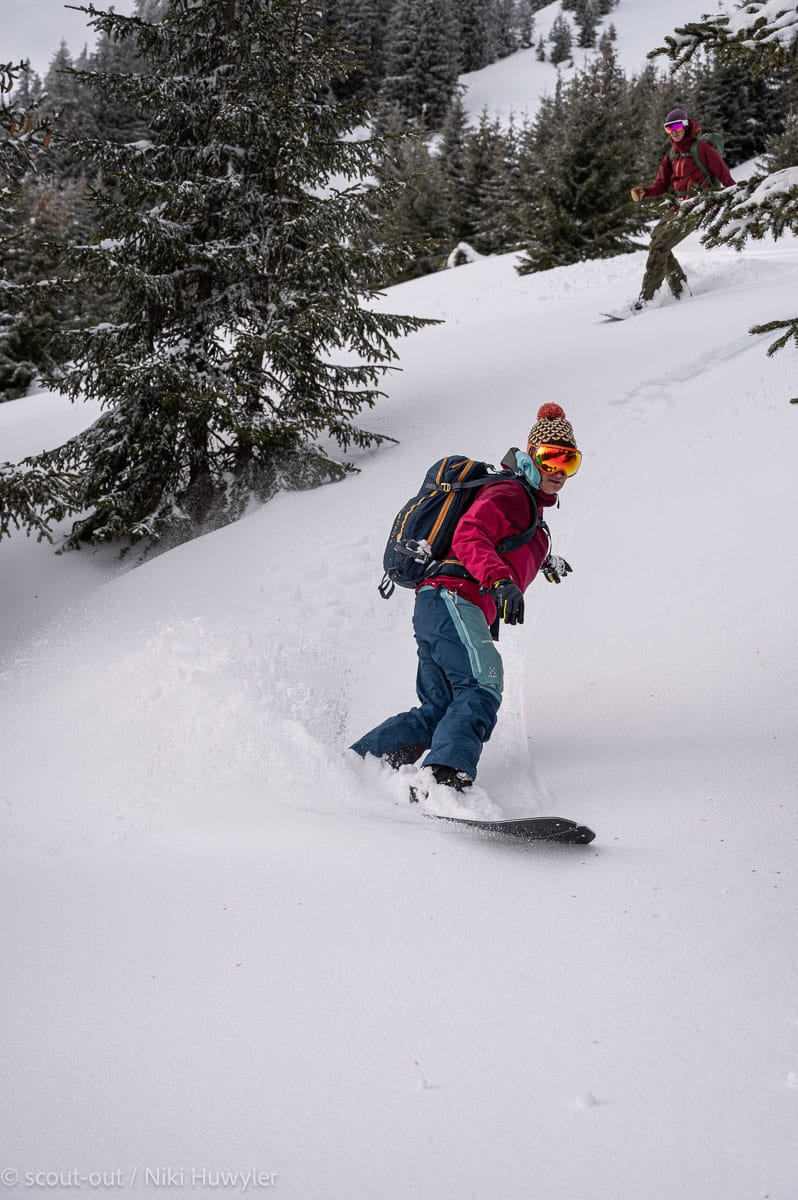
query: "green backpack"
716, 140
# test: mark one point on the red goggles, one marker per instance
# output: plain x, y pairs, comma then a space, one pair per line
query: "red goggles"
551, 459
675, 126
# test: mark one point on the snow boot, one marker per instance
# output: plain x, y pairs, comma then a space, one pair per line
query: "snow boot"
405, 756
451, 777
444, 776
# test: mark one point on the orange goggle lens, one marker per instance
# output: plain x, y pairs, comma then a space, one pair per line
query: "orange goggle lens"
552, 459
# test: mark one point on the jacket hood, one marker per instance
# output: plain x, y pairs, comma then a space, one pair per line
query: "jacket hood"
519, 460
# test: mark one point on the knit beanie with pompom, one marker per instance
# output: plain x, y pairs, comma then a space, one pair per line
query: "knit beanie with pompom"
551, 426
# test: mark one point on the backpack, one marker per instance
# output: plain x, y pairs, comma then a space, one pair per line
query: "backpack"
422, 531
715, 140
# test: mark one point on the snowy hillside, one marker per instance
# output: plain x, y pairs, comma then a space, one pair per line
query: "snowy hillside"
230, 947
513, 86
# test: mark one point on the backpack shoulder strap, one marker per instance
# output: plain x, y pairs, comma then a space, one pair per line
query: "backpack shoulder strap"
699, 162
516, 540
453, 566
695, 154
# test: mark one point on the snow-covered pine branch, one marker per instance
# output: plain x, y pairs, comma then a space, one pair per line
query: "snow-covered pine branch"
765, 29
31, 496
764, 204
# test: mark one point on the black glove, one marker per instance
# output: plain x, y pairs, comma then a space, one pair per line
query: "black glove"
509, 602
555, 568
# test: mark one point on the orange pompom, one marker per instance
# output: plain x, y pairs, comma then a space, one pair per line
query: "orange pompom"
550, 412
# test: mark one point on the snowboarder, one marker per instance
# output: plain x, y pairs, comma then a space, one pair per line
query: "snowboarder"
460, 676
691, 165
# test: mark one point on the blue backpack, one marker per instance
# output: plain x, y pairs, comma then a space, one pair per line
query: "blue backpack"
422, 531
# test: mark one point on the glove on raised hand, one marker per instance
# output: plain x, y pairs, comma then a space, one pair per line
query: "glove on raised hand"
555, 568
509, 602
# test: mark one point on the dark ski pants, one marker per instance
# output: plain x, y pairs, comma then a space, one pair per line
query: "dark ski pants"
662, 265
458, 683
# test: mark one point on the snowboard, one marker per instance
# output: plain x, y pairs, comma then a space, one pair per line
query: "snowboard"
527, 829
621, 314
639, 306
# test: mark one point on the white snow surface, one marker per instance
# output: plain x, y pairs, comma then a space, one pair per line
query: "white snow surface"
231, 946
237, 960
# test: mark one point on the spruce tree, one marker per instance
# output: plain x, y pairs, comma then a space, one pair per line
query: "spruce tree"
576, 181
17, 367
586, 17
243, 270
485, 192
497, 230
526, 25
561, 40
534, 199
360, 24
416, 212
422, 60
24, 134
71, 111
26, 490
451, 161
398, 93
47, 215
501, 29
473, 36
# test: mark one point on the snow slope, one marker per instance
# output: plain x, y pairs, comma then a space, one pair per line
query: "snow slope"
228, 947
513, 86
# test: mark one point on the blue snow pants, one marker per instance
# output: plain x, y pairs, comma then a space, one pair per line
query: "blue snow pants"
459, 686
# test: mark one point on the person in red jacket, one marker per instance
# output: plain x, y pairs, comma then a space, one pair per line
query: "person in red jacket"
460, 676
680, 174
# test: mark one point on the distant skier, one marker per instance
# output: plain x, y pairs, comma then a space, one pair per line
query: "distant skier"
460, 676
691, 165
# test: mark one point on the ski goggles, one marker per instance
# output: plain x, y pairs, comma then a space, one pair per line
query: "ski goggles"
551, 459
675, 126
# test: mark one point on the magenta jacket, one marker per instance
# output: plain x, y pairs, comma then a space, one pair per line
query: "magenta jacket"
684, 176
500, 511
